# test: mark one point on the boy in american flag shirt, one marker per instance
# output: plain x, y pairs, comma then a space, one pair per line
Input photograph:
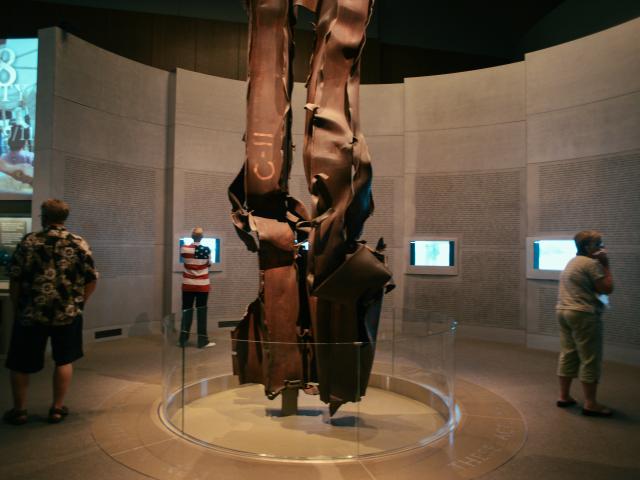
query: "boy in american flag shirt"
195, 287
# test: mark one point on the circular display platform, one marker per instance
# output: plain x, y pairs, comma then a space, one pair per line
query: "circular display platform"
490, 431
240, 419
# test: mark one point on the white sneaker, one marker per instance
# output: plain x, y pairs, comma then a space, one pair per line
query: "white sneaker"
210, 344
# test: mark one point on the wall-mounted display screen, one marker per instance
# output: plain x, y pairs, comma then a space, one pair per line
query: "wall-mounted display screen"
548, 255
553, 254
18, 86
212, 243
432, 256
432, 253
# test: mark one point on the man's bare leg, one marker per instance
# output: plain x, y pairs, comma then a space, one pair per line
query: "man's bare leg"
19, 386
61, 381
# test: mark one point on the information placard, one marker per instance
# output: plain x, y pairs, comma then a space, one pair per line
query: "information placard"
11, 232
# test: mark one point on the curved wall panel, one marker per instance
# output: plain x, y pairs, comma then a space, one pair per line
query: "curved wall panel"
464, 166
102, 148
591, 69
544, 146
207, 154
382, 117
583, 169
489, 96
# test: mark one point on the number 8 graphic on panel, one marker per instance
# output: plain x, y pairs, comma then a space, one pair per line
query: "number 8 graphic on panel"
8, 74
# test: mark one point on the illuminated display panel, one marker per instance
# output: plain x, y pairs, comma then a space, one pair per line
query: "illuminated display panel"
432, 253
548, 255
18, 87
553, 254
212, 243
433, 256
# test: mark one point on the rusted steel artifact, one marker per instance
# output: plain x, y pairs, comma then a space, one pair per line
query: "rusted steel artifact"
344, 277
262, 206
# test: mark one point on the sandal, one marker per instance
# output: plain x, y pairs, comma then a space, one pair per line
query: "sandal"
602, 412
56, 415
15, 417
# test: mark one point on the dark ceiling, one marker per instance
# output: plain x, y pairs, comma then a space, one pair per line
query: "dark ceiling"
470, 26
498, 28
407, 37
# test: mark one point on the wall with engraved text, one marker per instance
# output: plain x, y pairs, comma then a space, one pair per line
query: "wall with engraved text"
102, 148
583, 170
547, 146
465, 167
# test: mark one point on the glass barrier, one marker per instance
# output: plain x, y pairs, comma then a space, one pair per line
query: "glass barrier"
408, 400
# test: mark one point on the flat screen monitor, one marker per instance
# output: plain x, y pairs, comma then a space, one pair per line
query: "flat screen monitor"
18, 85
547, 256
433, 256
211, 242
553, 254
432, 253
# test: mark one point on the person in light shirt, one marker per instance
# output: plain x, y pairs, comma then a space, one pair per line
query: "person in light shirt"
579, 309
195, 288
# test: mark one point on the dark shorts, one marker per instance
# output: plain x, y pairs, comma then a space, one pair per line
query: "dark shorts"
28, 345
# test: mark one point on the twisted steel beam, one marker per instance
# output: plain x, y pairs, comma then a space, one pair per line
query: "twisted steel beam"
345, 278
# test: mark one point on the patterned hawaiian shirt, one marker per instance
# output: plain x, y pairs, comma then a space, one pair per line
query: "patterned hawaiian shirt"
52, 268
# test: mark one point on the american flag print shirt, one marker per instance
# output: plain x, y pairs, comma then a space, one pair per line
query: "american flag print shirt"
196, 258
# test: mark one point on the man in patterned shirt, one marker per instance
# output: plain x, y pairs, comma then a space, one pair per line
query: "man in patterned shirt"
195, 287
52, 276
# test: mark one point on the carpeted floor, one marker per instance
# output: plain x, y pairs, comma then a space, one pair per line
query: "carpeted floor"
561, 444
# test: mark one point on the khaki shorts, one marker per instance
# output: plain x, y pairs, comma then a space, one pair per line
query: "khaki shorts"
580, 345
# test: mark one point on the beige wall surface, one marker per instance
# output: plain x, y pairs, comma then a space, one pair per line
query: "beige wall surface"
102, 148
208, 153
464, 177
547, 146
583, 170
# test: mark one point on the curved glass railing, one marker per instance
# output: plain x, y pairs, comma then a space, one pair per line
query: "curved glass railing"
409, 401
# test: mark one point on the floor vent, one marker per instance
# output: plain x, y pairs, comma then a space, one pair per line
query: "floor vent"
114, 332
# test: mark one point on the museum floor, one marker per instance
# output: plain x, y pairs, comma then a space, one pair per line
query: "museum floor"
560, 444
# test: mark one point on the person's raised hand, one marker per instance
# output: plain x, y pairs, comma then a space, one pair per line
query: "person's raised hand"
601, 256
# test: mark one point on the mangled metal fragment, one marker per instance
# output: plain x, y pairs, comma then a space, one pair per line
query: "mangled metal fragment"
264, 214
345, 277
